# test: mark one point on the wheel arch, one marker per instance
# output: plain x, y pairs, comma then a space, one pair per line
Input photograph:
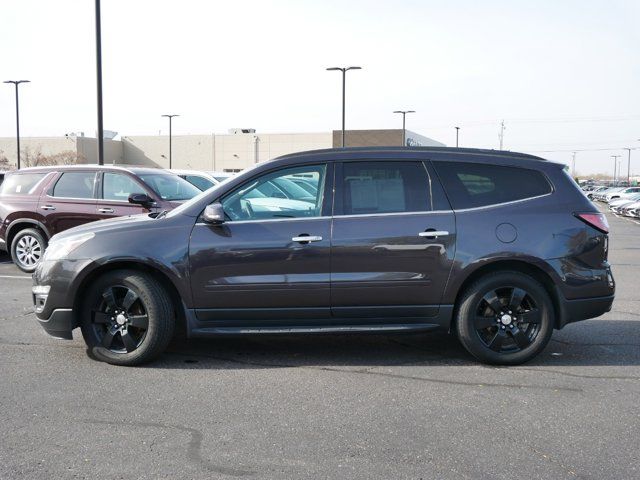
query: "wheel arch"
20, 224
162, 277
522, 266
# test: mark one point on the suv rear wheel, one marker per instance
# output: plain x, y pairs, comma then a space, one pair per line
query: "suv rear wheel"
505, 318
127, 318
27, 248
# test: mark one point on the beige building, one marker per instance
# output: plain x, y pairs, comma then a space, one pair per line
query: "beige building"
235, 151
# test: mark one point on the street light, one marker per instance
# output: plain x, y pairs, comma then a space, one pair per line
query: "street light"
170, 117
344, 71
404, 130
16, 83
457, 134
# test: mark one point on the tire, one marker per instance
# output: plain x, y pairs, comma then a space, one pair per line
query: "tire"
493, 335
127, 318
27, 248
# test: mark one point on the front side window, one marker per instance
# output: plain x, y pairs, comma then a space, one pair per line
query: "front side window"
20, 183
384, 187
118, 186
170, 187
274, 195
75, 185
471, 185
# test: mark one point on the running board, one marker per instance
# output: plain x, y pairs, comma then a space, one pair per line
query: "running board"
274, 330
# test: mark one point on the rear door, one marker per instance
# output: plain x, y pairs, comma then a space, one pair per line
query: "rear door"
69, 201
392, 245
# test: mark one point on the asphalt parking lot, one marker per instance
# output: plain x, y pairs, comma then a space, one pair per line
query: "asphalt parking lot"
326, 407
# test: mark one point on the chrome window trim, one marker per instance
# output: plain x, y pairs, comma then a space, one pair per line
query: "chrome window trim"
391, 214
503, 203
236, 222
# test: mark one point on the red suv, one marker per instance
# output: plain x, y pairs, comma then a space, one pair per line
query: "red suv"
36, 203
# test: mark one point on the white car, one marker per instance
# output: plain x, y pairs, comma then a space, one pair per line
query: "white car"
622, 193
620, 203
201, 180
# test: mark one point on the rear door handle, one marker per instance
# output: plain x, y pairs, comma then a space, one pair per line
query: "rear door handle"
48, 207
307, 238
433, 233
105, 210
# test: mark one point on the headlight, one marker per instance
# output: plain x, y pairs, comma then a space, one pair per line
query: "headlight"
62, 248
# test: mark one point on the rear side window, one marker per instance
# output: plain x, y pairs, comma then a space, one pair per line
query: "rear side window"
470, 185
75, 185
200, 182
20, 183
381, 187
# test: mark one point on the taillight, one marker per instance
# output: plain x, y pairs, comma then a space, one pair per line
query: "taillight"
595, 220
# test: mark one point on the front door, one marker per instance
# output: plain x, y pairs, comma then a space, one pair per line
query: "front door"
392, 251
270, 260
113, 197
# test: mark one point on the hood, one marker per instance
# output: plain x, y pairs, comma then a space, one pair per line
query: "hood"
101, 225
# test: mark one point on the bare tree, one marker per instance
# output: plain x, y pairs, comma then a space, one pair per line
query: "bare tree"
37, 159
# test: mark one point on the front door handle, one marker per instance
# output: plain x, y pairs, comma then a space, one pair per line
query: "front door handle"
105, 210
48, 207
307, 238
433, 233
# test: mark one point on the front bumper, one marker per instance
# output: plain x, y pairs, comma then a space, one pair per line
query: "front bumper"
59, 324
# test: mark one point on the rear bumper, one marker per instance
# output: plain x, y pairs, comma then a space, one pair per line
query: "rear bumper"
59, 324
583, 309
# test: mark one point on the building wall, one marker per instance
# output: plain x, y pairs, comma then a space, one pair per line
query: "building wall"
382, 138
217, 152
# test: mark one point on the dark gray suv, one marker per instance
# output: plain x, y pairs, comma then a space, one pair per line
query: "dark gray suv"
498, 247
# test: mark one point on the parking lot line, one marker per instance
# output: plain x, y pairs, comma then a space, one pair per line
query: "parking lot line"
15, 276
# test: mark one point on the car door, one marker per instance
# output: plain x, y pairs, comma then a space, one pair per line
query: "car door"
69, 201
393, 240
113, 196
270, 259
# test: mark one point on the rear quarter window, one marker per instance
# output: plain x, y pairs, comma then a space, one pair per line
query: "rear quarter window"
471, 185
20, 183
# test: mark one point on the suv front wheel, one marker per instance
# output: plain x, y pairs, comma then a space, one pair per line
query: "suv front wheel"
27, 248
505, 318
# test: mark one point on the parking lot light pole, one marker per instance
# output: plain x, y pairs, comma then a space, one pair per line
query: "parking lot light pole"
457, 135
344, 71
404, 128
16, 83
629, 165
170, 117
100, 134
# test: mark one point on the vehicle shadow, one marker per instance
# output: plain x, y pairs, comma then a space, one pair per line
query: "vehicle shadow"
591, 343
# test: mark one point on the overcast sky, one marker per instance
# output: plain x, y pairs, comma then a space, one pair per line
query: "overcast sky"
564, 75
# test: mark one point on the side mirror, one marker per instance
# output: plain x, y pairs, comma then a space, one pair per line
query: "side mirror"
213, 214
141, 199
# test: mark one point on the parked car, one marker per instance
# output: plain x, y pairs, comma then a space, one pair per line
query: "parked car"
221, 176
622, 193
600, 195
617, 204
36, 203
591, 193
201, 180
497, 247
630, 210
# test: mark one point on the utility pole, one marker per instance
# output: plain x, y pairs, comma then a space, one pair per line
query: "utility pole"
501, 136
615, 166
629, 165
16, 83
344, 71
457, 134
404, 129
99, 85
573, 164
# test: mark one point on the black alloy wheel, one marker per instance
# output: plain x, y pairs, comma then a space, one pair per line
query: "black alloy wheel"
505, 318
127, 318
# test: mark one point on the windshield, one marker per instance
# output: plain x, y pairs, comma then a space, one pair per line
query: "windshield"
169, 187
